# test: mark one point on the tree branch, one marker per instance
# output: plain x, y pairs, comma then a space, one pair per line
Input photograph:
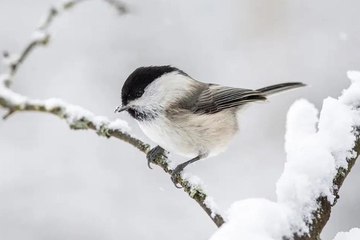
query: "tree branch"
79, 118
322, 214
41, 36
344, 157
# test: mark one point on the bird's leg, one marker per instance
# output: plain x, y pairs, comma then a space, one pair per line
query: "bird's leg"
153, 154
181, 167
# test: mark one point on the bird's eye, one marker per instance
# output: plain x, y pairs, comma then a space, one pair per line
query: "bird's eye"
139, 93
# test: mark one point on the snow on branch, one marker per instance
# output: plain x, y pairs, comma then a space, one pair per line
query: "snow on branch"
75, 116
80, 118
320, 154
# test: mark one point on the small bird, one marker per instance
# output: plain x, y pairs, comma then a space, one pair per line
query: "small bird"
185, 116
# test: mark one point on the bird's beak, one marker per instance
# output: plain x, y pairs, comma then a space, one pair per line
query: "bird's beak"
121, 108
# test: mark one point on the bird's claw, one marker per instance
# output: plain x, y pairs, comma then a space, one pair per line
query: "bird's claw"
175, 173
153, 154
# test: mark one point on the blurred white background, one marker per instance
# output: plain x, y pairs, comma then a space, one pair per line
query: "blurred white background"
56, 183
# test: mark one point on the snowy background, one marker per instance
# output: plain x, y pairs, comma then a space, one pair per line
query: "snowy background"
62, 184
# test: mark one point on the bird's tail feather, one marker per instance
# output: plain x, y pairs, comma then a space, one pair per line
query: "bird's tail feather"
282, 87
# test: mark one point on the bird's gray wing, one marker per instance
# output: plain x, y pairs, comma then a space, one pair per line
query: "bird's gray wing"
215, 98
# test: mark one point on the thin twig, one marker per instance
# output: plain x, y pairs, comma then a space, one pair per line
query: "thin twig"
118, 5
8, 114
41, 36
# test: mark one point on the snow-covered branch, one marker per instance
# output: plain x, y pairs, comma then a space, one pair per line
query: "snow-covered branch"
320, 154
319, 159
80, 118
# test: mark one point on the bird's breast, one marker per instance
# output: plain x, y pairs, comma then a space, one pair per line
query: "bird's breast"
168, 136
189, 134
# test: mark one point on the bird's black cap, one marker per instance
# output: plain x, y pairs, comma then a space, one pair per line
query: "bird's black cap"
138, 80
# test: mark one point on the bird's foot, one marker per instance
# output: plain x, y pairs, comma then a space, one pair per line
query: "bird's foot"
175, 173
179, 168
153, 154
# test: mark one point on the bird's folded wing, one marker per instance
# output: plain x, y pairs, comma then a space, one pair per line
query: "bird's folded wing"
215, 98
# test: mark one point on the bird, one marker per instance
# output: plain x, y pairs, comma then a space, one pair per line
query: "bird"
191, 118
